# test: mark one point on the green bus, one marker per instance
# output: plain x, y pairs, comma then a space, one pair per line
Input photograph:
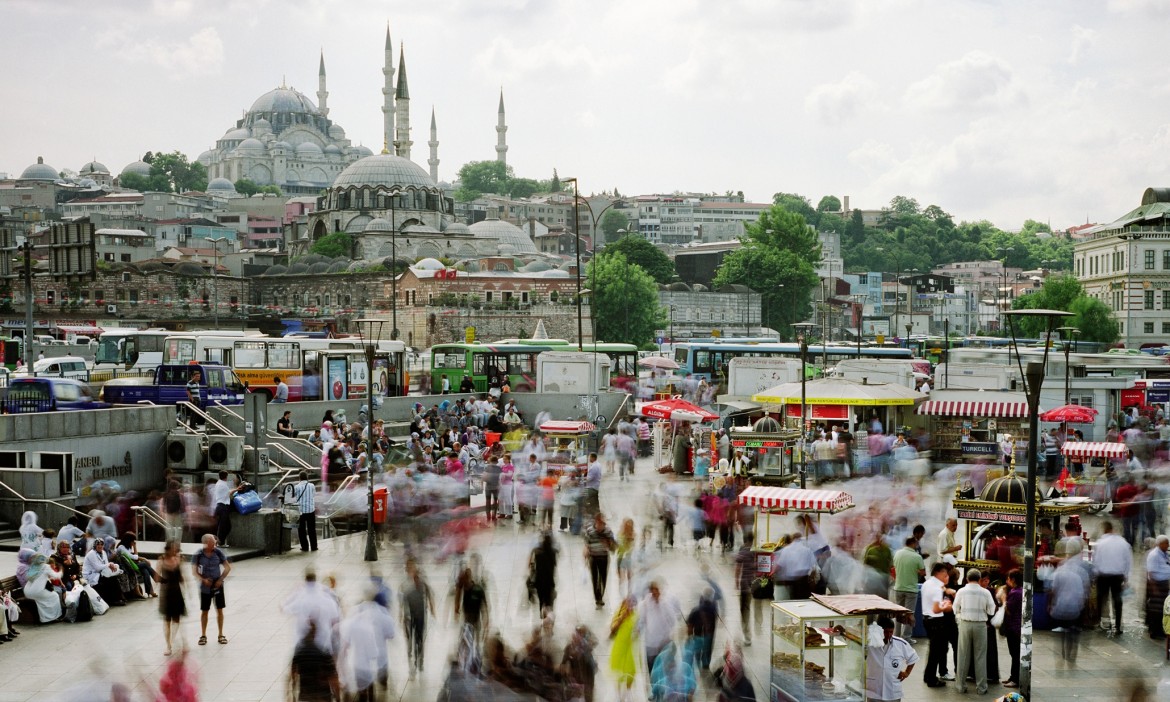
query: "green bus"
517, 359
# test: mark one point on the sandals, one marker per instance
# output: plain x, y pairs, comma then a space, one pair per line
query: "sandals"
202, 640
167, 652
222, 639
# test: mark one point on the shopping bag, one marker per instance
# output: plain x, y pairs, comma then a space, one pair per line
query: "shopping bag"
96, 602
246, 502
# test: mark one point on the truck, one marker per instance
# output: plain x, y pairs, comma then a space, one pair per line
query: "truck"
747, 376
579, 372
218, 385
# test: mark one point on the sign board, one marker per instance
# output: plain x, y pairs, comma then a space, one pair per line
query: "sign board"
881, 339
988, 516
758, 443
979, 448
1159, 396
1132, 397
335, 379
469, 335
821, 411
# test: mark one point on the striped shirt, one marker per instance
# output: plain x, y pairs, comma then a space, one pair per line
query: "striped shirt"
304, 495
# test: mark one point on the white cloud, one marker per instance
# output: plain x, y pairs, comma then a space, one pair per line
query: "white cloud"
834, 103
1083, 39
172, 9
1145, 8
976, 80
199, 54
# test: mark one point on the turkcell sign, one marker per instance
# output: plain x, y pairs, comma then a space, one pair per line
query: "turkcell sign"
979, 448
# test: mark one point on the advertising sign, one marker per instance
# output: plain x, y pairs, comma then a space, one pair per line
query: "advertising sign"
979, 448
359, 376
335, 379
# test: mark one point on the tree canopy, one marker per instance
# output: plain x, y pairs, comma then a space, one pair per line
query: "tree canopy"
248, 188
335, 245
173, 173
611, 222
625, 300
479, 177
642, 253
1065, 293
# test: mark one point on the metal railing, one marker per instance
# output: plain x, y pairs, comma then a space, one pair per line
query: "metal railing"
189, 409
25, 501
142, 514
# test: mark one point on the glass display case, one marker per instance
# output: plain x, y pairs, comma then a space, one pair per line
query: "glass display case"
817, 653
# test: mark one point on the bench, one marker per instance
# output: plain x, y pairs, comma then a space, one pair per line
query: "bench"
28, 608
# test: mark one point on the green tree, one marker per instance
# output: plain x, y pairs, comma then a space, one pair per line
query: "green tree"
479, 177
1065, 293
145, 184
247, 187
625, 300
645, 255
554, 185
181, 175
797, 204
271, 190
829, 203
521, 187
335, 245
611, 222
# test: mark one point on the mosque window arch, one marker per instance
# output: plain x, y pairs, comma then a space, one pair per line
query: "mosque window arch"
326, 299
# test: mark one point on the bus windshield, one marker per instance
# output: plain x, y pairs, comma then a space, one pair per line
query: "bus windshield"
109, 350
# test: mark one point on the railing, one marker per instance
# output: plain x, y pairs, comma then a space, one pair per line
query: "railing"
38, 500
142, 514
287, 474
192, 409
301, 463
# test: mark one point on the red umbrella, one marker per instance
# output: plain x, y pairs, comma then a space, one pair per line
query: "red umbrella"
1070, 414
678, 409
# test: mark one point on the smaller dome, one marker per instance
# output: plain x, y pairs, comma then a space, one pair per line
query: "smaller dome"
420, 229
457, 229
93, 167
555, 273
205, 157
308, 148
221, 185
281, 145
151, 266
250, 145
39, 171
506, 250
536, 267
310, 259
141, 168
319, 268
236, 134
365, 151
336, 132
332, 150
679, 287
766, 425
1010, 489
276, 270
378, 224
471, 266
358, 266
298, 268
188, 268
429, 264
261, 126
87, 183
699, 287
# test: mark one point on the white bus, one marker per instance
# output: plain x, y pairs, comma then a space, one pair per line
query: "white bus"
137, 349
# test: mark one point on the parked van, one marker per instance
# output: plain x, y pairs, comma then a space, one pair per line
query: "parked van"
63, 367
25, 395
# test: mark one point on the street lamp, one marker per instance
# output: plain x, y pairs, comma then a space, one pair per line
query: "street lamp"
802, 329
215, 277
911, 291
1067, 333
1001, 299
370, 331
577, 253
1127, 265
1033, 381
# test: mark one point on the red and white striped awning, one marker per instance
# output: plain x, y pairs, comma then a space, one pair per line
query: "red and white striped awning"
962, 408
567, 427
1094, 449
830, 501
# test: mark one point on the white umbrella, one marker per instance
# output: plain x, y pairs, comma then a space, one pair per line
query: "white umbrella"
661, 362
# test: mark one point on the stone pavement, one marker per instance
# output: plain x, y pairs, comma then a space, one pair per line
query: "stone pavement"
56, 661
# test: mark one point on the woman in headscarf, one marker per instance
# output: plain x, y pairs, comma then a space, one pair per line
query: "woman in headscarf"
103, 575
70, 568
38, 588
30, 533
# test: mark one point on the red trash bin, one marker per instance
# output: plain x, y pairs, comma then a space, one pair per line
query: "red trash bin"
491, 438
381, 501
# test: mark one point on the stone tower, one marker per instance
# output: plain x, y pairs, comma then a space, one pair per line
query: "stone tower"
433, 161
501, 134
322, 93
388, 94
402, 109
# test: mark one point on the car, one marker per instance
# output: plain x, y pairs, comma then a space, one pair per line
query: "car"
62, 367
25, 395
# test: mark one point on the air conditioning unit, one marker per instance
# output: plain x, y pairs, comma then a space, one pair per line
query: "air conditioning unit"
62, 462
225, 453
13, 459
111, 309
184, 451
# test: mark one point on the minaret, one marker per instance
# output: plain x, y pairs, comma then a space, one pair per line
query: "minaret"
433, 161
322, 93
501, 132
402, 143
388, 93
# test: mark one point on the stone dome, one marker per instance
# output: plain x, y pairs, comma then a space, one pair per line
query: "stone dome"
505, 233
365, 151
1010, 489
251, 146
386, 170
332, 150
319, 268
536, 267
281, 145
420, 229
276, 270
307, 148
699, 287
679, 287
336, 132
555, 273
378, 224
220, 185
236, 134
93, 167
358, 266
261, 126
429, 264
310, 259
506, 250
141, 168
298, 268
457, 229
339, 266
87, 183
188, 268
766, 425
39, 171
205, 157
283, 100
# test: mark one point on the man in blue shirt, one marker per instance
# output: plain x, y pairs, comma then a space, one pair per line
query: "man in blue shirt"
593, 486
211, 567
1157, 586
281, 390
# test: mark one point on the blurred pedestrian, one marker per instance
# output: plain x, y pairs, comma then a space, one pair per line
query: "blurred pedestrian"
313, 672
542, 564
578, 665
599, 543
622, 655
1157, 586
658, 617
417, 601
973, 606
1068, 594
363, 665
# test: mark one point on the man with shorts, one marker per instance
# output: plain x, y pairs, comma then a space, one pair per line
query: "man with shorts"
211, 567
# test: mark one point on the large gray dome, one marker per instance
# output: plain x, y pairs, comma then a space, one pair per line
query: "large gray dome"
378, 224
39, 171
386, 170
220, 185
506, 234
283, 100
141, 168
251, 145
93, 167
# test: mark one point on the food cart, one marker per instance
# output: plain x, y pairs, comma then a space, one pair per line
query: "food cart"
774, 452
967, 425
819, 644
567, 443
1094, 481
777, 501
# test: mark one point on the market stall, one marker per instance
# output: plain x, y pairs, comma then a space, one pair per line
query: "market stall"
836, 400
777, 501
969, 425
568, 445
774, 452
818, 646
1094, 481
676, 411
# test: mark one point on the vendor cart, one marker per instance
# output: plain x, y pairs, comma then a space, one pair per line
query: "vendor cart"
774, 455
568, 445
1094, 482
777, 501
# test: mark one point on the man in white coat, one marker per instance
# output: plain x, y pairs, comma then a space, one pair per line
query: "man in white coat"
888, 665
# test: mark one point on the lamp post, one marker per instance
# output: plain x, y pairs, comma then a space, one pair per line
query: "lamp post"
911, 291
370, 330
1128, 238
577, 254
1033, 381
215, 277
26, 249
802, 329
1001, 298
1067, 334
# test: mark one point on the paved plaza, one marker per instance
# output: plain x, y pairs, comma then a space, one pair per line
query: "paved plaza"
68, 661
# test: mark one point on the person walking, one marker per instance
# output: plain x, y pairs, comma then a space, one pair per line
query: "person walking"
211, 568
934, 606
542, 566
363, 664
888, 665
973, 605
491, 488
908, 567
745, 575
1157, 586
417, 601
599, 543
592, 502
658, 617
312, 605
1068, 594
304, 495
1113, 560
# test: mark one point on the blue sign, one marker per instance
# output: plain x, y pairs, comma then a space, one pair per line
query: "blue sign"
979, 448
661, 339
1159, 396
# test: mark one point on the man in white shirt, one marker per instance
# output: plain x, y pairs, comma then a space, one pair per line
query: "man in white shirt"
888, 665
946, 539
658, 617
221, 499
312, 605
794, 568
1157, 586
281, 390
934, 606
973, 605
1113, 560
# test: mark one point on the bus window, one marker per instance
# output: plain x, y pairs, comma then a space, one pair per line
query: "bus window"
522, 363
176, 351
702, 362
477, 363
282, 354
680, 357
450, 359
149, 343
250, 354
218, 355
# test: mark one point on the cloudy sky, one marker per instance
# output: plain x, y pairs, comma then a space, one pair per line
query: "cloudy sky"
1057, 111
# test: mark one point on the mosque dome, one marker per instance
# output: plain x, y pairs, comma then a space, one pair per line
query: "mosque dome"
285, 100
261, 126
332, 150
220, 185
39, 171
308, 148
555, 273
319, 268
535, 267
188, 268
378, 224
457, 229
276, 270
93, 167
141, 168
506, 250
87, 183
505, 233
386, 170
339, 266
205, 157
336, 132
365, 151
298, 268
429, 264
236, 134
251, 146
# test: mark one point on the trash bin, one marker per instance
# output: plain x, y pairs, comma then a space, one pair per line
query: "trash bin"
381, 502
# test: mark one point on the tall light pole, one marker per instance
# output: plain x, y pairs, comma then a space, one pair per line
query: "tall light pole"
1067, 334
215, 277
1002, 298
577, 253
911, 291
1033, 381
802, 329
370, 330
1128, 238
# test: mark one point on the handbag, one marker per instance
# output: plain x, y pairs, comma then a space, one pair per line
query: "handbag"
246, 502
997, 618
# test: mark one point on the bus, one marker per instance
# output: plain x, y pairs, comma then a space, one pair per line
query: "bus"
10, 352
516, 358
710, 360
131, 349
313, 369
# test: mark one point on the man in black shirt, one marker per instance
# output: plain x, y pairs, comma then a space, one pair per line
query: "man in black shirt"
284, 425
